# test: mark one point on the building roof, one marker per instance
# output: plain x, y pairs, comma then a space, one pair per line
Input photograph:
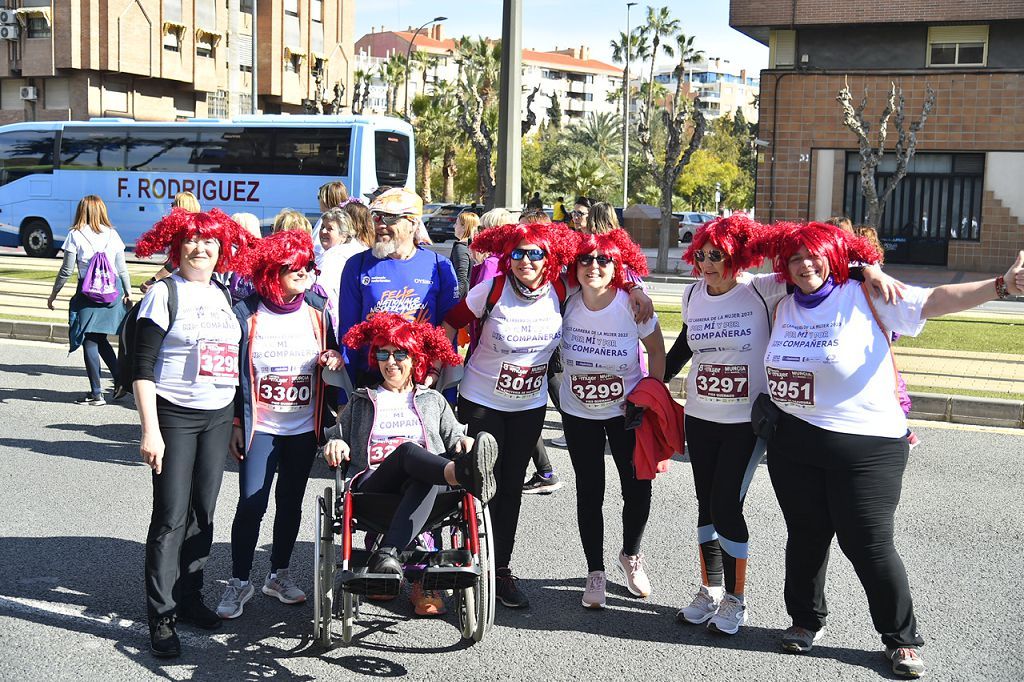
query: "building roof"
424, 41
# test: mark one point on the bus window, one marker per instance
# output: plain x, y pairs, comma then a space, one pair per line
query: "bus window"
25, 153
154, 150
392, 153
92, 148
312, 151
233, 150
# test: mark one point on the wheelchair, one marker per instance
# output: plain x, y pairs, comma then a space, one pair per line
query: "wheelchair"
463, 563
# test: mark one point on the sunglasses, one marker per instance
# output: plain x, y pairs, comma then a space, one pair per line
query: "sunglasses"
308, 267
532, 254
713, 256
383, 355
388, 219
588, 260
579, 214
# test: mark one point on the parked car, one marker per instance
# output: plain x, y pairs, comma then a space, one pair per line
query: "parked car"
441, 223
689, 223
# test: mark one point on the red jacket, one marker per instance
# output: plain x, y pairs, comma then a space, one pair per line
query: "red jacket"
660, 434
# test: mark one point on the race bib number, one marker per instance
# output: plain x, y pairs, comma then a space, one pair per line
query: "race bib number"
380, 449
597, 390
518, 382
285, 392
791, 386
218, 362
722, 383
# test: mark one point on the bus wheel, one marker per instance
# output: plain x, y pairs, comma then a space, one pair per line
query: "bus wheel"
37, 239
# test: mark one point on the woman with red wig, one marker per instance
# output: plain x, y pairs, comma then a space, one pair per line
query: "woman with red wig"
279, 408
601, 366
838, 452
402, 438
186, 369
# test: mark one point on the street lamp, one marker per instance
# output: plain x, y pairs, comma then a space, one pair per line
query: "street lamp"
625, 114
408, 55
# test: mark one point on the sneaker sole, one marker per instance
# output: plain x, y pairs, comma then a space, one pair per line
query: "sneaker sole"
485, 456
680, 618
543, 490
509, 605
270, 592
165, 654
593, 607
629, 588
241, 607
797, 648
713, 627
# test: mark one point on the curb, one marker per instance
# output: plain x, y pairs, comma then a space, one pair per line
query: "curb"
927, 406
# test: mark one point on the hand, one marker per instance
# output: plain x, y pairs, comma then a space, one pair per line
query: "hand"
331, 359
886, 287
144, 287
433, 377
1014, 277
336, 451
236, 446
643, 306
127, 300
465, 444
152, 450
49, 302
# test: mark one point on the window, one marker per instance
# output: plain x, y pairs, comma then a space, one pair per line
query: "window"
25, 153
244, 100
782, 49
245, 53
291, 8
206, 14
316, 10
958, 46
92, 149
204, 46
38, 27
217, 104
172, 11
245, 6
317, 151
392, 153
172, 43
292, 63
234, 150
57, 93
159, 150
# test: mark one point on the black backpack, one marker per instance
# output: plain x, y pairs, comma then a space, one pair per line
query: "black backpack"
126, 335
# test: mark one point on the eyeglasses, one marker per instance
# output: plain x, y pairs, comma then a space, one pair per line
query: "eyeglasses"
579, 214
382, 355
588, 260
532, 254
713, 256
388, 219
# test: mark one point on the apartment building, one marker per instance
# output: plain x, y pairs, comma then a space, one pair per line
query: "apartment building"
721, 87
960, 204
172, 59
581, 84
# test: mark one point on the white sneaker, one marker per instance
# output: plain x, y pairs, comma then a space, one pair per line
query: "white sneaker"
704, 605
593, 596
234, 598
732, 613
284, 588
632, 567
559, 441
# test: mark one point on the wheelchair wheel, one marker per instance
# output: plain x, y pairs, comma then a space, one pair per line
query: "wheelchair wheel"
479, 600
348, 615
323, 553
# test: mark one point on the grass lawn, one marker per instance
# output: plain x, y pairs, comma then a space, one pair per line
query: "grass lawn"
913, 388
49, 275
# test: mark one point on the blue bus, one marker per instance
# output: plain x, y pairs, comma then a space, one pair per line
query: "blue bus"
256, 164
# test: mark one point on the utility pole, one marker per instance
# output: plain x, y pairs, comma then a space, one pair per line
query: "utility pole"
509, 191
408, 63
255, 58
625, 114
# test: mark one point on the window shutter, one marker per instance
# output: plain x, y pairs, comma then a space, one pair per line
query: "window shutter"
958, 34
782, 49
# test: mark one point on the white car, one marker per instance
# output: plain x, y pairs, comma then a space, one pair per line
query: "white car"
689, 223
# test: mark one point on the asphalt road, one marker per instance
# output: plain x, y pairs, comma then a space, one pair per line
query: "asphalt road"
76, 504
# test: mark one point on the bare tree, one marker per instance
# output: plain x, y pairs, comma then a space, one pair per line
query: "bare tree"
531, 115
870, 155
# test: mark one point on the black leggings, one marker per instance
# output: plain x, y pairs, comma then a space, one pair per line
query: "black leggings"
516, 434
418, 476
721, 455
94, 347
586, 439
837, 484
184, 501
541, 461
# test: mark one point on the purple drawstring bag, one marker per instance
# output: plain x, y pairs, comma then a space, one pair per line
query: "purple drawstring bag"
100, 281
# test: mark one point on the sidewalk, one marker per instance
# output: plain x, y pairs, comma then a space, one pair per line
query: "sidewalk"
935, 371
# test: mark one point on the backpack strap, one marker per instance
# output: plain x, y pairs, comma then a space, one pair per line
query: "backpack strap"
494, 295
561, 291
767, 312
865, 287
172, 300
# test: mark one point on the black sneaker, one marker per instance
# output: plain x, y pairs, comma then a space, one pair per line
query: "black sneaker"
89, 399
163, 640
508, 591
542, 484
195, 612
474, 470
385, 560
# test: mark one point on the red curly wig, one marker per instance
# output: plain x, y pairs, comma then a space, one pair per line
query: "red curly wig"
621, 248
424, 342
557, 240
173, 230
836, 246
291, 249
739, 237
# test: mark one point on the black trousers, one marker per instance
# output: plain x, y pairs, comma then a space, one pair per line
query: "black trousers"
831, 483
586, 439
418, 475
516, 434
184, 501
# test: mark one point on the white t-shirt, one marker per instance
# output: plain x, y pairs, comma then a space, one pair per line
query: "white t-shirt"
395, 421
331, 263
728, 335
84, 243
600, 357
830, 365
197, 365
508, 369
284, 352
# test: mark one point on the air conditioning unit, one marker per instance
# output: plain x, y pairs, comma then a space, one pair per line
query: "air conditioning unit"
28, 92
9, 32
8, 16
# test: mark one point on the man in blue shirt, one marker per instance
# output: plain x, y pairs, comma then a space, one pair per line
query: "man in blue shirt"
395, 276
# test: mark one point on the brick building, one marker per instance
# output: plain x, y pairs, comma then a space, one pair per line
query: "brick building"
961, 204
168, 59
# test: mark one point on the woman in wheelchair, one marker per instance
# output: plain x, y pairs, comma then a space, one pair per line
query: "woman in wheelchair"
389, 435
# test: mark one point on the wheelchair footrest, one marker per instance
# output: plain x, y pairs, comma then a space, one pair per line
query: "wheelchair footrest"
450, 577
363, 583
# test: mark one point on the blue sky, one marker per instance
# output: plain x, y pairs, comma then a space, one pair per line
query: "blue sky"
548, 24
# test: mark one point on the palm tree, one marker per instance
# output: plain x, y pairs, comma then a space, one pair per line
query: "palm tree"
437, 131
660, 25
479, 66
601, 132
426, 62
580, 176
639, 50
358, 76
393, 72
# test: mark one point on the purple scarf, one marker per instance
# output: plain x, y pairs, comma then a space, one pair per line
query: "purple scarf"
284, 308
813, 299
